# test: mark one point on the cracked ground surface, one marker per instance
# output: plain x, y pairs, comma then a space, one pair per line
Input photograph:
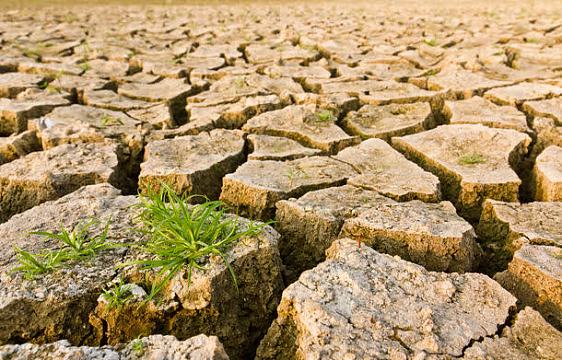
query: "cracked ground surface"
409, 155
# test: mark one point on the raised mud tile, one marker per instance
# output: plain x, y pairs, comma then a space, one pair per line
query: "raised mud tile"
339, 104
530, 337
384, 122
547, 175
56, 305
379, 92
361, 304
477, 110
11, 84
504, 227
310, 224
473, 162
235, 114
462, 83
193, 164
49, 69
534, 276
200, 347
84, 124
76, 85
210, 304
307, 124
107, 99
16, 146
158, 116
15, 113
386, 171
298, 73
551, 108
171, 91
517, 94
431, 235
264, 147
256, 186
106, 69
48, 175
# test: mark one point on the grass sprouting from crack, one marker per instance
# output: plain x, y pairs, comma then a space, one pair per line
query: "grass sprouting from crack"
78, 245
471, 159
183, 236
430, 42
137, 346
325, 116
118, 295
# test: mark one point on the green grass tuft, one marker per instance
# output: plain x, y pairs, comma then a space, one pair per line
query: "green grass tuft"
108, 120
77, 245
471, 159
183, 236
118, 295
325, 116
137, 346
430, 42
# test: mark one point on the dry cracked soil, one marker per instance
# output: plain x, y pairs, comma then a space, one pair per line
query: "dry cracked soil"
405, 158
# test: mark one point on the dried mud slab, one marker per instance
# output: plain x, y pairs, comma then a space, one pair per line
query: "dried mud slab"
551, 108
517, 94
108, 99
386, 171
173, 92
307, 124
547, 175
534, 276
473, 162
48, 175
15, 113
200, 347
336, 309
158, 116
548, 132
384, 122
504, 227
211, 304
462, 84
16, 146
431, 235
477, 110
264, 147
308, 225
256, 186
11, 84
56, 305
530, 337
375, 92
193, 164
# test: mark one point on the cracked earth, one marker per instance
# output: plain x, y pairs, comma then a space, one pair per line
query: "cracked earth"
408, 156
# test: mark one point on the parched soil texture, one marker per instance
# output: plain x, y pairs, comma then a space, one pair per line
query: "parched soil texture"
280, 180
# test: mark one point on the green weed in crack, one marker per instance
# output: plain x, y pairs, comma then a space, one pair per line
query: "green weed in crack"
77, 244
183, 236
118, 295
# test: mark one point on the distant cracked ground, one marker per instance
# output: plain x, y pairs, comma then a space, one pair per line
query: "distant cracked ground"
410, 157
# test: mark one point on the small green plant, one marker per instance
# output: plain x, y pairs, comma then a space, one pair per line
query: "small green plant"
430, 42
118, 295
85, 66
77, 245
557, 254
109, 120
183, 236
32, 265
137, 346
293, 174
431, 72
471, 159
325, 116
